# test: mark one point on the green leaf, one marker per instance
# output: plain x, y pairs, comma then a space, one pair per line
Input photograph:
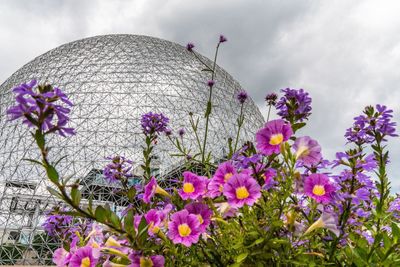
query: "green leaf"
131, 194
55, 193
34, 161
128, 223
241, 257
114, 219
100, 214
52, 174
208, 110
395, 232
40, 141
76, 196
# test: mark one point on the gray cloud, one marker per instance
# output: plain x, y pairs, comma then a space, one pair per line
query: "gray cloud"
345, 53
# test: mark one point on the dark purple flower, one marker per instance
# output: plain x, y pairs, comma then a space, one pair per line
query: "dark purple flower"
37, 107
118, 169
271, 99
222, 39
210, 83
190, 47
295, 105
181, 132
57, 225
153, 123
242, 97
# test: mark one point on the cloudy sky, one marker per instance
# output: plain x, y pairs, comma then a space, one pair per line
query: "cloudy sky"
345, 53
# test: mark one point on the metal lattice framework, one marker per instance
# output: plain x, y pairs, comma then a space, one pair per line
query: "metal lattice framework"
112, 80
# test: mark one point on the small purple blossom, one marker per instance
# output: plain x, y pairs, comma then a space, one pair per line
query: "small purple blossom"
57, 225
242, 97
271, 99
37, 107
222, 39
295, 105
203, 213
153, 123
210, 83
181, 132
119, 169
190, 47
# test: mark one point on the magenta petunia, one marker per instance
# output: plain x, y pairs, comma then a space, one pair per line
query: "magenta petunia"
138, 260
151, 189
85, 256
223, 173
319, 187
307, 150
184, 228
242, 189
273, 134
203, 213
60, 257
193, 186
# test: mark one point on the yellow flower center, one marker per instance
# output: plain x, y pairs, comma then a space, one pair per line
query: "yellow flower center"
200, 218
276, 139
184, 230
221, 188
188, 188
146, 262
242, 193
85, 262
318, 190
227, 176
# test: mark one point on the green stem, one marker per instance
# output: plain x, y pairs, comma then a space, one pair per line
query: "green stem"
240, 123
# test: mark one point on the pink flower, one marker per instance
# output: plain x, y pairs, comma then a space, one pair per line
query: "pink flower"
203, 213
143, 261
242, 189
60, 257
307, 150
84, 256
151, 189
193, 186
273, 134
319, 187
224, 172
184, 228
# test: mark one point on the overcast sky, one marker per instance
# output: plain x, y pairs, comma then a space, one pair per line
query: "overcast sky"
345, 53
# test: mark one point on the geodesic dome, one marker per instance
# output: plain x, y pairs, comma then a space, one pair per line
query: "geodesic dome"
112, 80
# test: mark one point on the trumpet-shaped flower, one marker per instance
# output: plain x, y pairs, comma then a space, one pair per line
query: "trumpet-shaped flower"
242, 189
307, 150
84, 257
151, 189
319, 187
327, 221
193, 186
273, 134
184, 228
143, 261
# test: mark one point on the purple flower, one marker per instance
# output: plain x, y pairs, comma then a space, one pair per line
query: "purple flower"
153, 123
273, 134
242, 189
84, 256
271, 99
184, 228
118, 169
318, 187
61, 257
153, 219
193, 186
190, 47
242, 97
151, 189
38, 108
143, 261
295, 105
307, 150
168, 132
203, 213
57, 225
327, 221
181, 132
394, 207
210, 83
224, 172
222, 39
